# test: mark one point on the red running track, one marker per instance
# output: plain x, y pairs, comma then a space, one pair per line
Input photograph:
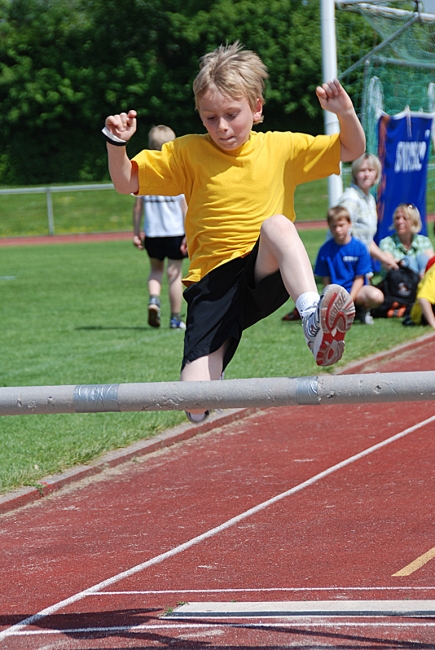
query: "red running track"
290, 504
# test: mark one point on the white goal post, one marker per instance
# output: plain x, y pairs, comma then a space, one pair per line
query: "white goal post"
329, 72
421, 25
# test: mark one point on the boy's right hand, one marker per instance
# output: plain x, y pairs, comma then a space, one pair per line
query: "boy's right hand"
122, 125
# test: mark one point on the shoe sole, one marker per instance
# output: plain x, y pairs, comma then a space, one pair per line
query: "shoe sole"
153, 316
204, 415
336, 317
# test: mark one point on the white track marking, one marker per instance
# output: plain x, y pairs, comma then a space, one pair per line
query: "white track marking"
48, 611
254, 589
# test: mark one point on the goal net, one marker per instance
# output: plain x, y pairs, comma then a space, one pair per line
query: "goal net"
397, 70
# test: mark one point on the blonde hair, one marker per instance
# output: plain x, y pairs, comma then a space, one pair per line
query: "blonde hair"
373, 161
338, 212
234, 72
158, 135
412, 215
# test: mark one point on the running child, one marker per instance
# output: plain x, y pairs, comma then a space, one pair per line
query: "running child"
246, 257
163, 228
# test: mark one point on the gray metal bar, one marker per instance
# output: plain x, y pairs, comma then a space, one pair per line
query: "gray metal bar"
345, 3
234, 393
58, 188
50, 215
402, 63
379, 47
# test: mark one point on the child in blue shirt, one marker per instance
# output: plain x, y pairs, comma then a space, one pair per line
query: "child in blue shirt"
345, 261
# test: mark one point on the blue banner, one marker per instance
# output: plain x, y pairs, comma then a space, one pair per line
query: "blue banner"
403, 149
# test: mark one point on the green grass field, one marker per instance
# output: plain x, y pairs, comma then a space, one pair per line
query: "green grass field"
76, 314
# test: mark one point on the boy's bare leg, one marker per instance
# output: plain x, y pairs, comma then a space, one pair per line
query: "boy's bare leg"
282, 249
154, 288
175, 286
204, 369
369, 297
325, 319
155, 277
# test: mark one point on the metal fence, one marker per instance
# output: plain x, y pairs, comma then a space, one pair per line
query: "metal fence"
48, 191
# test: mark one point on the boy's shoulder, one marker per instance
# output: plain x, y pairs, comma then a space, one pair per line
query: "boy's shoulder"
191, 139
176, 146
358, 246
329, 247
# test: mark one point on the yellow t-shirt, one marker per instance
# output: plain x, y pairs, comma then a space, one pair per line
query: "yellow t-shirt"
230, 194
425, 289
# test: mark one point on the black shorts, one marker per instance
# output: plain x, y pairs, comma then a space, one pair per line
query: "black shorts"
224, 303
161, 247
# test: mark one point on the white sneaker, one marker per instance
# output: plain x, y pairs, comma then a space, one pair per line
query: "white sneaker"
154, 312
326, 325
368, 318
177, 324
197, 418
364, 316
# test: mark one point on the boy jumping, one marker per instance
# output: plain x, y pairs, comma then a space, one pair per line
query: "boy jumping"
246, 257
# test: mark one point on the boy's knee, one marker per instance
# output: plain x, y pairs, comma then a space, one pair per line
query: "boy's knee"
277, 226
370, 297
378, 297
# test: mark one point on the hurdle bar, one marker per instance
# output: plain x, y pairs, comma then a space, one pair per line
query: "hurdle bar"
228, 394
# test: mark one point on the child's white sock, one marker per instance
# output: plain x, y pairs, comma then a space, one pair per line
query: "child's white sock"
307, 302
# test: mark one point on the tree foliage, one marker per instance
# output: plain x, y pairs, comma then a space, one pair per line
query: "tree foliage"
66, 64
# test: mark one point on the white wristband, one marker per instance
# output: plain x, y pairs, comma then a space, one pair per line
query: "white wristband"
112, 138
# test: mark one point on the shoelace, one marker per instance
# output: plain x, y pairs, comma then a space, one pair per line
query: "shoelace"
312, 325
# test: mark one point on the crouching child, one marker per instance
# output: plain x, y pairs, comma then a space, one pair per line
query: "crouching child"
346, 261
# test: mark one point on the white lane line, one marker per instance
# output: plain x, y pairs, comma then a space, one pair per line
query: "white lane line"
48, 611
255, 590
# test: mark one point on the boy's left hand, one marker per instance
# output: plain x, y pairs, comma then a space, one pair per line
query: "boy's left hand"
138, 242
333, 97
122, 125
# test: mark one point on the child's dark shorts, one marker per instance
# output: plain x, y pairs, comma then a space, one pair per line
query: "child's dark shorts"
161, 247
225, 302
